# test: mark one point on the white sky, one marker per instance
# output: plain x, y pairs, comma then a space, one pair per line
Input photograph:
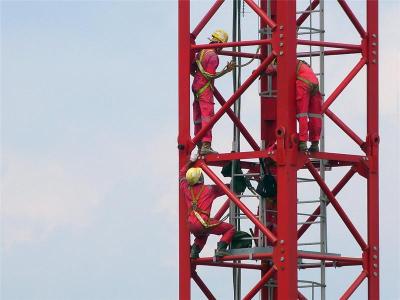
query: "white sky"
89, 159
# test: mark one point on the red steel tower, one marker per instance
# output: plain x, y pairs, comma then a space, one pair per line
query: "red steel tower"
279, 40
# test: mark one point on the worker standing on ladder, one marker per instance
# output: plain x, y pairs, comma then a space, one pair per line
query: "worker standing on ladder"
204, 71
308, 105
199, 198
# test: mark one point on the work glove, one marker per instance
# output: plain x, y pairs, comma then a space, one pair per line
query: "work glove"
230, 66
194, 156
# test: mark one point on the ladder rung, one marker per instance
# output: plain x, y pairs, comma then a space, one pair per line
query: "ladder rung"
247, 174
304, 214
308, 201
307, 11
247, 196
309, 244
301, 223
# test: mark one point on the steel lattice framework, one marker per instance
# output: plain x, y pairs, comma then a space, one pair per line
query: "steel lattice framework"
282, 22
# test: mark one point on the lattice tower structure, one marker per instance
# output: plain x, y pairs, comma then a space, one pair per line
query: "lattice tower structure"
280, 256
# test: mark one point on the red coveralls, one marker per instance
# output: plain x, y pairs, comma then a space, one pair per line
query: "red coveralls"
203, 105
308, 103
206, 198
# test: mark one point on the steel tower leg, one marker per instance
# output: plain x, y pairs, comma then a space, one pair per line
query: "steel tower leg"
285, 252
373, 150
183, 139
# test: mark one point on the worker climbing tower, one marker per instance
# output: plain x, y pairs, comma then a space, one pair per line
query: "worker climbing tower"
280, 256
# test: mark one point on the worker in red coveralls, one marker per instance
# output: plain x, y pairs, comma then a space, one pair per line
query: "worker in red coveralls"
308, 105
204, 71
199, 198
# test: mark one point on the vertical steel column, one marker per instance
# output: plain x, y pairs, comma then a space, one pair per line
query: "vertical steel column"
323, 198
373, 150
183, 139
285, 252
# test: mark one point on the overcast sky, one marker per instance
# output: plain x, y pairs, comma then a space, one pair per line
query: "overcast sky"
88, 148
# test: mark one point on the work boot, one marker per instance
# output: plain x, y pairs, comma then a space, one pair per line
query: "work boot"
303, 146
206, 149
221, 250
194, 251
314, 147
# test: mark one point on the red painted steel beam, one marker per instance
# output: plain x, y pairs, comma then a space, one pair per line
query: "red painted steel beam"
344, 83
337, 206
354, 286
203, 287
243, 130
183, 139
335, 191
329, 264
264, 17
236, 156
329, 44
304, 16
353, 18
260, 284
233, 99
207, 18
231, 265
300, 296
287, 153
336, 156
333, 258
346, 129
222, 210
373, 266
231, 44
256, 256
329, 52
239, 204
239, 54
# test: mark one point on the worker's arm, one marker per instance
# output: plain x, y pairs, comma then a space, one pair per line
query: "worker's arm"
213, 74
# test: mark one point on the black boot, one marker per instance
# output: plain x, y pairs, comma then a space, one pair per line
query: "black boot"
194, 251
314, 147
221, 250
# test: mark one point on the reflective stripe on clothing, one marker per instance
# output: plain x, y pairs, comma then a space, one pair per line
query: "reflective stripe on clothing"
310, 115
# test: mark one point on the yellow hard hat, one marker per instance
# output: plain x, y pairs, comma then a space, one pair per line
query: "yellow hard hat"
193, 175
219, 36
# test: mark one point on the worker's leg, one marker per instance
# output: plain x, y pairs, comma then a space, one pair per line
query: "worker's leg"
206, 102
200, 233
196, 116
302, 101
315, 117
225, 229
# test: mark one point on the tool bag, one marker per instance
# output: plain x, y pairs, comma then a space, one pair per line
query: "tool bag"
241, 239
239, 183
266, 187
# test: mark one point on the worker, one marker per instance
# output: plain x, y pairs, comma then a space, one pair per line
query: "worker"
308, 105
199, 199
204, 71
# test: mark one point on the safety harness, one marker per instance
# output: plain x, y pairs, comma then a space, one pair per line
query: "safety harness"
314, 87
207, 75
197, 211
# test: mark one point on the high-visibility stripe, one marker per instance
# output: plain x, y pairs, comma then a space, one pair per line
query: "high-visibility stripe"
300, 115
310, 115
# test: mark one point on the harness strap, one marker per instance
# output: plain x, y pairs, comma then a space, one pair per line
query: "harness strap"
207, 75
314, 87
197, 211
